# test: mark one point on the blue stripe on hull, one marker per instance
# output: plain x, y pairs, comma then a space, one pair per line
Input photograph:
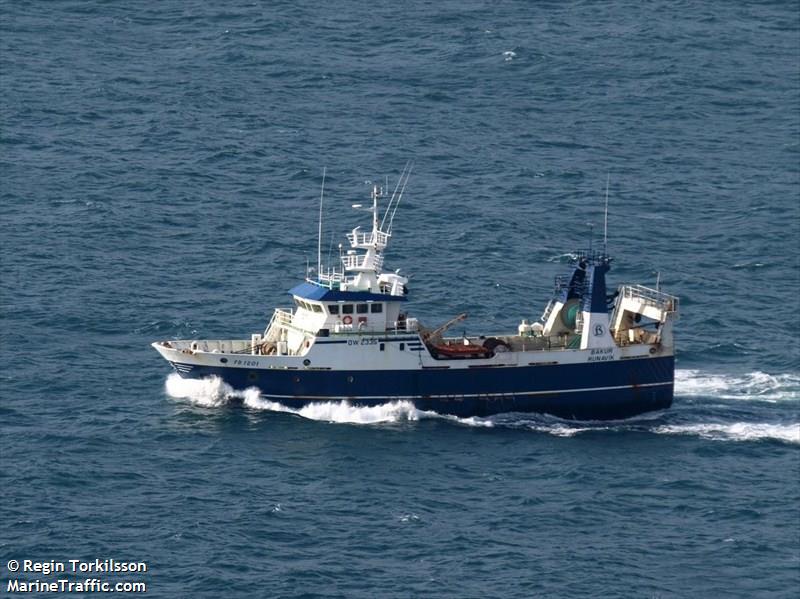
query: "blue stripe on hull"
595, 391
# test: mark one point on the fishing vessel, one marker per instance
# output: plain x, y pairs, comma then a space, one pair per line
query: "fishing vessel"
591, 355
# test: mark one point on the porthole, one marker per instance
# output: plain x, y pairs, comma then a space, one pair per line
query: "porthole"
350, 379
306, 362
252, 376
224, 360
297, 379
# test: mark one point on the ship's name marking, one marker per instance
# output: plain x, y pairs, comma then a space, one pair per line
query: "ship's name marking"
605, 354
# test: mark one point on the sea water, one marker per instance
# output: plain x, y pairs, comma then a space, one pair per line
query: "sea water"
160, 172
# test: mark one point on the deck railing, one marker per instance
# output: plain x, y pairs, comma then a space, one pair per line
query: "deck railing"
652, 297
330, 278
354, 261
281, 319
363, 239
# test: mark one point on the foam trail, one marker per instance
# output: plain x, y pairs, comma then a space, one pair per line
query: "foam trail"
213, 392
737, 431
751, 386
470, 421
564, 430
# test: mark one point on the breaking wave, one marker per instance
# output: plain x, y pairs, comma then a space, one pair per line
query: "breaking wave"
343, 411
211, 392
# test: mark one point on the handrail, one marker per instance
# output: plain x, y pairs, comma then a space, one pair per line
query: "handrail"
283, 319
352, 262
652, 297
355, 332
332, 276
361, 239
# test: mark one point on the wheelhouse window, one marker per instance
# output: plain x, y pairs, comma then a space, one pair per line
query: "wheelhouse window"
333, 308
362, 308
347, 308
316, 307
376, 308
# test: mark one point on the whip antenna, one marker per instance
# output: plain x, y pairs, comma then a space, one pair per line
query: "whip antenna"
409, 166
391, 207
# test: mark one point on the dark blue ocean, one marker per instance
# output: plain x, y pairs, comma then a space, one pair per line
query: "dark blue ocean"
160, 170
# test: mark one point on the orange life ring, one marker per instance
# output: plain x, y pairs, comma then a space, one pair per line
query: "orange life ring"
347, 319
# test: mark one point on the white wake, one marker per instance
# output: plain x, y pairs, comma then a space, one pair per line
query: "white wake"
214, 392
736, 431
754, 385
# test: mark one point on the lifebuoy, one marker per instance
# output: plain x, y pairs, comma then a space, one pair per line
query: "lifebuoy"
347, 319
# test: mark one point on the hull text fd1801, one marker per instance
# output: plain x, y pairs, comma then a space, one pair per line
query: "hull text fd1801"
592, 355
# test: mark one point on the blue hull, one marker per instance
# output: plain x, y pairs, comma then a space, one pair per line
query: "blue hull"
592, 391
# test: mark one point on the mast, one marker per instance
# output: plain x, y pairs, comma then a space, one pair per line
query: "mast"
363, 263
319, 233
605, 218
375, 193
366, 267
